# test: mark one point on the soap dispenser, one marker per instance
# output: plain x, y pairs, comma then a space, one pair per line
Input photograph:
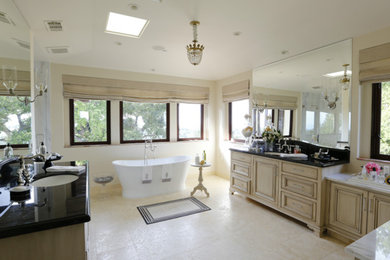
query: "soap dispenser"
8, 151
42, 148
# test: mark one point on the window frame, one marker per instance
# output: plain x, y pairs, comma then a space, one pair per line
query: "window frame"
376, 123
19, 145
71, 124
201, 125
291, 121
122, 141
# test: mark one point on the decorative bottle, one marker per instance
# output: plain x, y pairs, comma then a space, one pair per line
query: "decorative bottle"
8, 151
204, 155
42, 148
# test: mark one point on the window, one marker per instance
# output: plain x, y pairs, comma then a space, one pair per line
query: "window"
285, 122
310, 122
89, 122
189, 122
237, 121
380, 130
327, 123
266, 118
138, 120
15, 122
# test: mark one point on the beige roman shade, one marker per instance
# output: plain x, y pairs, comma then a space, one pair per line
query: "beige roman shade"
23, 87
275, 101
81, 87
375, 64
235, 91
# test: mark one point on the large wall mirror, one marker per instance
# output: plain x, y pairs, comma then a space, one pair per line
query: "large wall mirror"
304, 96
15, 116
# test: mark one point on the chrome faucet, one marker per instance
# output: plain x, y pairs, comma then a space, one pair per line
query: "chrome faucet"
23, 173
149, 146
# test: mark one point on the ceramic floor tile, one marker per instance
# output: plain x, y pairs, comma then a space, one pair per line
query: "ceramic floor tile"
235, 228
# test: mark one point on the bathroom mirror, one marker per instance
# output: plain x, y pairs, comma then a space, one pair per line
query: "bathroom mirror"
15, 119
304, 97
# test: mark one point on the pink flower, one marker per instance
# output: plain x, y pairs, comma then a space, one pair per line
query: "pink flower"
373, 167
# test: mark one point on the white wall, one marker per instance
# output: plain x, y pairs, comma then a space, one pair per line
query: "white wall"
101, 156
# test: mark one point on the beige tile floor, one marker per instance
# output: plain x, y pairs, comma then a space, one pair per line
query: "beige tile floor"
235, 228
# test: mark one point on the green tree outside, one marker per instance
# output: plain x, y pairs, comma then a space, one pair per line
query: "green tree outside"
141, 119
15, 121
385, 119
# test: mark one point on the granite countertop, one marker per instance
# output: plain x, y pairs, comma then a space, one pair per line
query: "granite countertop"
374, 245
309, 161
48, 207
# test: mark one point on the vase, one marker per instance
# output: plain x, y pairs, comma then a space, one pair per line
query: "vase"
269, 146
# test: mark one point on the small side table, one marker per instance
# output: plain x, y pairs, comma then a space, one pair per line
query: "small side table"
200, 179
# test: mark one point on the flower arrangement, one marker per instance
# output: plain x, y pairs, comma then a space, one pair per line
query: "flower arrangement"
373, 167
271, 135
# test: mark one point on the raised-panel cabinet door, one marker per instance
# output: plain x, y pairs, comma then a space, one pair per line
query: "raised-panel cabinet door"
378, 210
265, 181
348, 209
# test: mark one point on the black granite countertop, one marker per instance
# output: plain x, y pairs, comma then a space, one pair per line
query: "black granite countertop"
48, 207
309, 161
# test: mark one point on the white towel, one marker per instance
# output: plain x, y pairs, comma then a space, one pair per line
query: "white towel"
147, 174
166, 173
65, 169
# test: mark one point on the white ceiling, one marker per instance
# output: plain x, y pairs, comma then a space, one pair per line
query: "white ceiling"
267, 27
303, 72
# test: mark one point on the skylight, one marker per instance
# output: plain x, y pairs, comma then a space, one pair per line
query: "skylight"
338, 74
125, 25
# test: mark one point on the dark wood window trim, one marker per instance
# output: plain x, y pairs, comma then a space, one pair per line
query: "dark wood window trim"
231, 125
291, 122
201, 125
376, 123
108, 124
122, 141
15, 146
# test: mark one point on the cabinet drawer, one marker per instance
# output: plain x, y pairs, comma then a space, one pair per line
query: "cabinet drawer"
298, 206
240, 184
241, 168
303, 187
243, 157
300, 170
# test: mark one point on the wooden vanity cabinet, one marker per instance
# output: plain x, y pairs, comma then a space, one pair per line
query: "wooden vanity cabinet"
240, 173
348, 210
355, 211
265, 184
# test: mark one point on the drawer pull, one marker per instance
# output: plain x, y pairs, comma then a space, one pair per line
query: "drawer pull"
298, 186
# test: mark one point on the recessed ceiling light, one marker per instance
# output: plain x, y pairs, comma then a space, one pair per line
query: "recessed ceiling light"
133, 7
284, 52
125, 25
118, 43
237, 33
159, 48
316, 87
337, 74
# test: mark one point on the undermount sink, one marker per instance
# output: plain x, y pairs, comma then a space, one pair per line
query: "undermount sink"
288, 155
55, 180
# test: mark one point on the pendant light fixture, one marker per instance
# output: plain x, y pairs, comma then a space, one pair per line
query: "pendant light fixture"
344, 81
195, 50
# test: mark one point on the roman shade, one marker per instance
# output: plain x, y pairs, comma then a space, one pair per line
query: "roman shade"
22, 89
374, 64
81, 87
275, 101
235, 91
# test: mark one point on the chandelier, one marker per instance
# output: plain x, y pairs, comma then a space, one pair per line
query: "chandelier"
344, 81
10, 82
195, 50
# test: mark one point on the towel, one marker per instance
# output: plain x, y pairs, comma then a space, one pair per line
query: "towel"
166, 173
66, 169
147, 174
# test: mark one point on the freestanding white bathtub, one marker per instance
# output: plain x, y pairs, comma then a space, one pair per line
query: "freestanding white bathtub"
130, 173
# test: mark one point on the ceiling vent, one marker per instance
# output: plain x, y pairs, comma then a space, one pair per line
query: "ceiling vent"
23, 44
53, 25
5, 18
58, 50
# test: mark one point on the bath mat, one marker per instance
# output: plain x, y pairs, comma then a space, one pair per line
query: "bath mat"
162, 211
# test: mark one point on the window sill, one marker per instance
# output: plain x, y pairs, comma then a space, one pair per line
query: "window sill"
134, 144
372, 160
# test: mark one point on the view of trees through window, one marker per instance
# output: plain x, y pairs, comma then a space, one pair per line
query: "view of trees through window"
90, 121
15, 121
238, 122
190, 121
385, 120
142, 119
327, 123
